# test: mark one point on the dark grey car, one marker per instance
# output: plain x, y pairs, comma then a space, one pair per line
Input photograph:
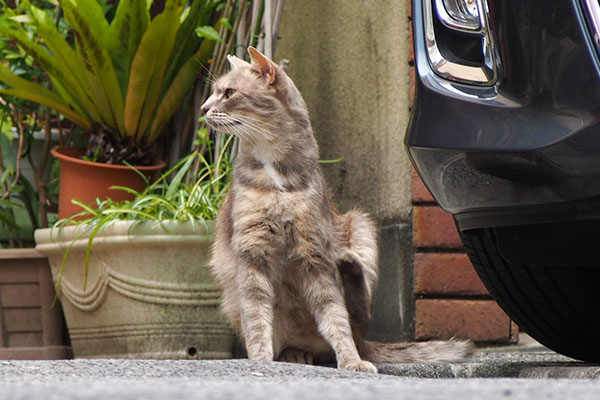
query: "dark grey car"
505, 133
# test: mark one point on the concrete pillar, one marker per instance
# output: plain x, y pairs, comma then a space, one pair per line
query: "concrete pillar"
349, 60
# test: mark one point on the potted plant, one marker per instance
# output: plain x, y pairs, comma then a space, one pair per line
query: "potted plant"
29, 327
120, 82
151, 296
132, 275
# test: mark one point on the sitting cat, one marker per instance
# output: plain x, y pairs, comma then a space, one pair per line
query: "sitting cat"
297, 276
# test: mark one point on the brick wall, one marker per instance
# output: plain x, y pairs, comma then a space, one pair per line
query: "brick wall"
450, 300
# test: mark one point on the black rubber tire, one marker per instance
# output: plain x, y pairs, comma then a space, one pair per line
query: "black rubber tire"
557, 306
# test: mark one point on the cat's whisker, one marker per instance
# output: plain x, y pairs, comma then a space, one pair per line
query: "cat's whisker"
241, 127
210, 77
241, 133
247, 135
257, 129
246, 117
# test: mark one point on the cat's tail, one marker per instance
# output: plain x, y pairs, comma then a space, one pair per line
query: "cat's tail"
436, 350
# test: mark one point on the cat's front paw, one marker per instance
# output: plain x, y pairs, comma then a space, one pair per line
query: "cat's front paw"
358, 366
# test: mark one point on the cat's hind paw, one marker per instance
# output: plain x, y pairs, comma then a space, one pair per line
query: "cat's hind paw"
296, 356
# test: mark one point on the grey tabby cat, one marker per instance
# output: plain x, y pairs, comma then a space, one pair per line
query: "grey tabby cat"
297, 276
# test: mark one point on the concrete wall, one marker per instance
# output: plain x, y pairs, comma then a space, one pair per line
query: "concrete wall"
349, 59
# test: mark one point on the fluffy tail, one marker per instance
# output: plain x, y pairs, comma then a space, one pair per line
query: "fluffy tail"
437, 350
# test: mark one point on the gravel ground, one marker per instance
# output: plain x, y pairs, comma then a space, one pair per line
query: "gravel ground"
245, 380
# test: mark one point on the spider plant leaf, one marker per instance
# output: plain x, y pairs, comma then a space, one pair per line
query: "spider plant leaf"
91, 33
148, 68
27, 90
86, 207
130, 211
126, 189
88, 250
126, 30
174, 185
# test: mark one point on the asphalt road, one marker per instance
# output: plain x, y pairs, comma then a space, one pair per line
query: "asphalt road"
245, 380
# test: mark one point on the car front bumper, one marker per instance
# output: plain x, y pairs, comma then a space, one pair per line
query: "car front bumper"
527, 148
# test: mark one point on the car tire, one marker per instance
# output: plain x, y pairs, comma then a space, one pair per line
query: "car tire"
557, 306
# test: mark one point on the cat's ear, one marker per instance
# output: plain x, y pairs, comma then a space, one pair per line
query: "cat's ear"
264, 65
236, 63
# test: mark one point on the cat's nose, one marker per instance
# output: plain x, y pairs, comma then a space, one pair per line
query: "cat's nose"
205, 109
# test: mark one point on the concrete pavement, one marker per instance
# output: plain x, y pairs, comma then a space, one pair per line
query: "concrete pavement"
490, 374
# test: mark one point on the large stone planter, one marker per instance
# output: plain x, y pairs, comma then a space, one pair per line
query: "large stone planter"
149, 292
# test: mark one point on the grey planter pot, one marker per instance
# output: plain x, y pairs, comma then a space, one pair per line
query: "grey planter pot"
149, 293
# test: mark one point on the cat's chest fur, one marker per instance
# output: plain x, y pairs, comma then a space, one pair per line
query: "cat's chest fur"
277, 205
273, 176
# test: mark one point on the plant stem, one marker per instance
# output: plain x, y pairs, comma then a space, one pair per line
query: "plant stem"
38, 171
277, 22
268, 28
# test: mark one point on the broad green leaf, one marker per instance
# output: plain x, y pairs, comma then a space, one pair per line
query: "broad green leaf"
126, 31
90, 12
173, 98
148, 68
69, 99
38, 52
225, 22
91, 37
77, 87
209, 33
186, 41
25, 19
6, 174
24, 89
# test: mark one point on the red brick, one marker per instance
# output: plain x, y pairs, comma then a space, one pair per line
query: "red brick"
446, 274
419, 191
411, 82
434, 228
411, 48
480, 320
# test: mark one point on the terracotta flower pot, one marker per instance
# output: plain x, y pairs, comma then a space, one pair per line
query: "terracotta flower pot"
86, 180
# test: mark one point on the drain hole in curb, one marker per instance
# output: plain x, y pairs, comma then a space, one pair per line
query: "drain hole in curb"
192, 352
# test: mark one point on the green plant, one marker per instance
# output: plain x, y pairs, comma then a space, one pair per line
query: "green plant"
120, 81
170, 198
25, 184
195, 187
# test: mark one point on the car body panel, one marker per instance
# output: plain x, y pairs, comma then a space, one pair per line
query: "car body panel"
531, 140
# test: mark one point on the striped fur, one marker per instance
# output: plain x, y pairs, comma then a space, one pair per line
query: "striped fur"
297, 276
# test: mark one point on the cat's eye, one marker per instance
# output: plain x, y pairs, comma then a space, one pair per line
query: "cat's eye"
228, 93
